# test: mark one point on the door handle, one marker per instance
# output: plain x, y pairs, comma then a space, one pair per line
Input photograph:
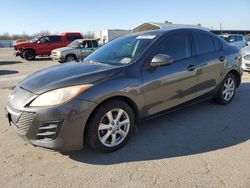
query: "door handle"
192, 67
221, 58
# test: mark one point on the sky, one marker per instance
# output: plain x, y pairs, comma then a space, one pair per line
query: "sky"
32, 16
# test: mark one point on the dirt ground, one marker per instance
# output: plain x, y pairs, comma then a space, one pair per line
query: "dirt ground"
206, 145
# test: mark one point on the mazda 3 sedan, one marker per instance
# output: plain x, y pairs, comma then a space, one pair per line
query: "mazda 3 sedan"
100, 100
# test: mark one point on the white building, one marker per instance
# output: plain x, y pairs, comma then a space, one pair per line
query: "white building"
107, 35
154, 25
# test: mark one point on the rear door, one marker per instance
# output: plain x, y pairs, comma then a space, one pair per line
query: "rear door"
168, 86
211, 61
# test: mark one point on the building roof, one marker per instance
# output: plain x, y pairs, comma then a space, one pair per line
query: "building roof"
155, 25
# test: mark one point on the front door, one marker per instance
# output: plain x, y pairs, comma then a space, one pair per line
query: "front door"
171, 85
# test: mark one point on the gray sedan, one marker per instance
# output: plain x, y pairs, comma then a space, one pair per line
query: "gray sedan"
99, 101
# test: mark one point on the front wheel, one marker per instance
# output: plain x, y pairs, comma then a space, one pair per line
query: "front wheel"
227, 90
112, 125
70, 58
29, 55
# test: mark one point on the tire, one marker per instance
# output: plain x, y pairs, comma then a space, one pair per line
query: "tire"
29, 55
70, 58
227, 90
106, 133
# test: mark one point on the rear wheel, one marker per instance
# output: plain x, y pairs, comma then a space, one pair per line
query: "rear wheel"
111, 126
29, 55
70, 58
227, 90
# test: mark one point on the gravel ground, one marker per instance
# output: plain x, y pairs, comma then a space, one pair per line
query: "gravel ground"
206, 145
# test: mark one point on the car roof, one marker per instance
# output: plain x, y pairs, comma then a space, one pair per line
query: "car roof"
226, 35
163, 31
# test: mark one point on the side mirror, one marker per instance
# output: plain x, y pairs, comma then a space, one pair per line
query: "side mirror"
38, 42
161, 60
231, 40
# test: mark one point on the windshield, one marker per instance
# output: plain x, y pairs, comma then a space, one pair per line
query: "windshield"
121, 50
248, 38
35, 39
74, 44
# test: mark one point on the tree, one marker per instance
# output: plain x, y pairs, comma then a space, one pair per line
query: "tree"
168, 22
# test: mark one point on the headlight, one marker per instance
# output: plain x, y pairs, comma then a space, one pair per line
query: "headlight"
247, 57
59, 96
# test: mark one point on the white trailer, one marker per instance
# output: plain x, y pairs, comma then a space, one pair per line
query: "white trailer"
107, 35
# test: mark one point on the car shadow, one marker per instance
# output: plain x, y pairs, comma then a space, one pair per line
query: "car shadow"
42, 59
200, 128
6, 72
9, 62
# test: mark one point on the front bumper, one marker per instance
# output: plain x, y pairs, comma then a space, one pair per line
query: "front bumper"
60, 128
57, 58
17, 53
245, 65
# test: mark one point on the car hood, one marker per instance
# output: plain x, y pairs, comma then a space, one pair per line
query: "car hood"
24, 44
68, 74
64, 49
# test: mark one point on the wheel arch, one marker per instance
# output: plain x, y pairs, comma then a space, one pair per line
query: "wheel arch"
72, 54
31, 49
237, 75
125, 99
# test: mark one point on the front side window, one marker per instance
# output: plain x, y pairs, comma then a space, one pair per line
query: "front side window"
44, 40
177, 47
238, 38
122, 50
203, 43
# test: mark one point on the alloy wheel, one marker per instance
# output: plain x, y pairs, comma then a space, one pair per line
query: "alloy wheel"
228, 89
113, 127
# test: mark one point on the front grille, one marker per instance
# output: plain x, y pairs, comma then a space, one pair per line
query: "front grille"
25, 121
48, 130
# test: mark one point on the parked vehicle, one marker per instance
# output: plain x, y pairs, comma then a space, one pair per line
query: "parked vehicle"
245, 54
101, 99
247, 37
79, 48
43, 45
237, 40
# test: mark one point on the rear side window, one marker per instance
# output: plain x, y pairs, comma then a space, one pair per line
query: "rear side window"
217, 44
55, 39
203, 43
72, 38
177, 46
95, 44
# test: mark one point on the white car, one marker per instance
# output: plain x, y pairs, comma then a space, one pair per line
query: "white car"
237, 40
245, 53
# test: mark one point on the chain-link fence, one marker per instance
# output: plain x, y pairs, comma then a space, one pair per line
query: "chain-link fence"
6, 43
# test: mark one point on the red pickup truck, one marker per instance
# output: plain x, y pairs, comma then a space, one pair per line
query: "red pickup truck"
42, 45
